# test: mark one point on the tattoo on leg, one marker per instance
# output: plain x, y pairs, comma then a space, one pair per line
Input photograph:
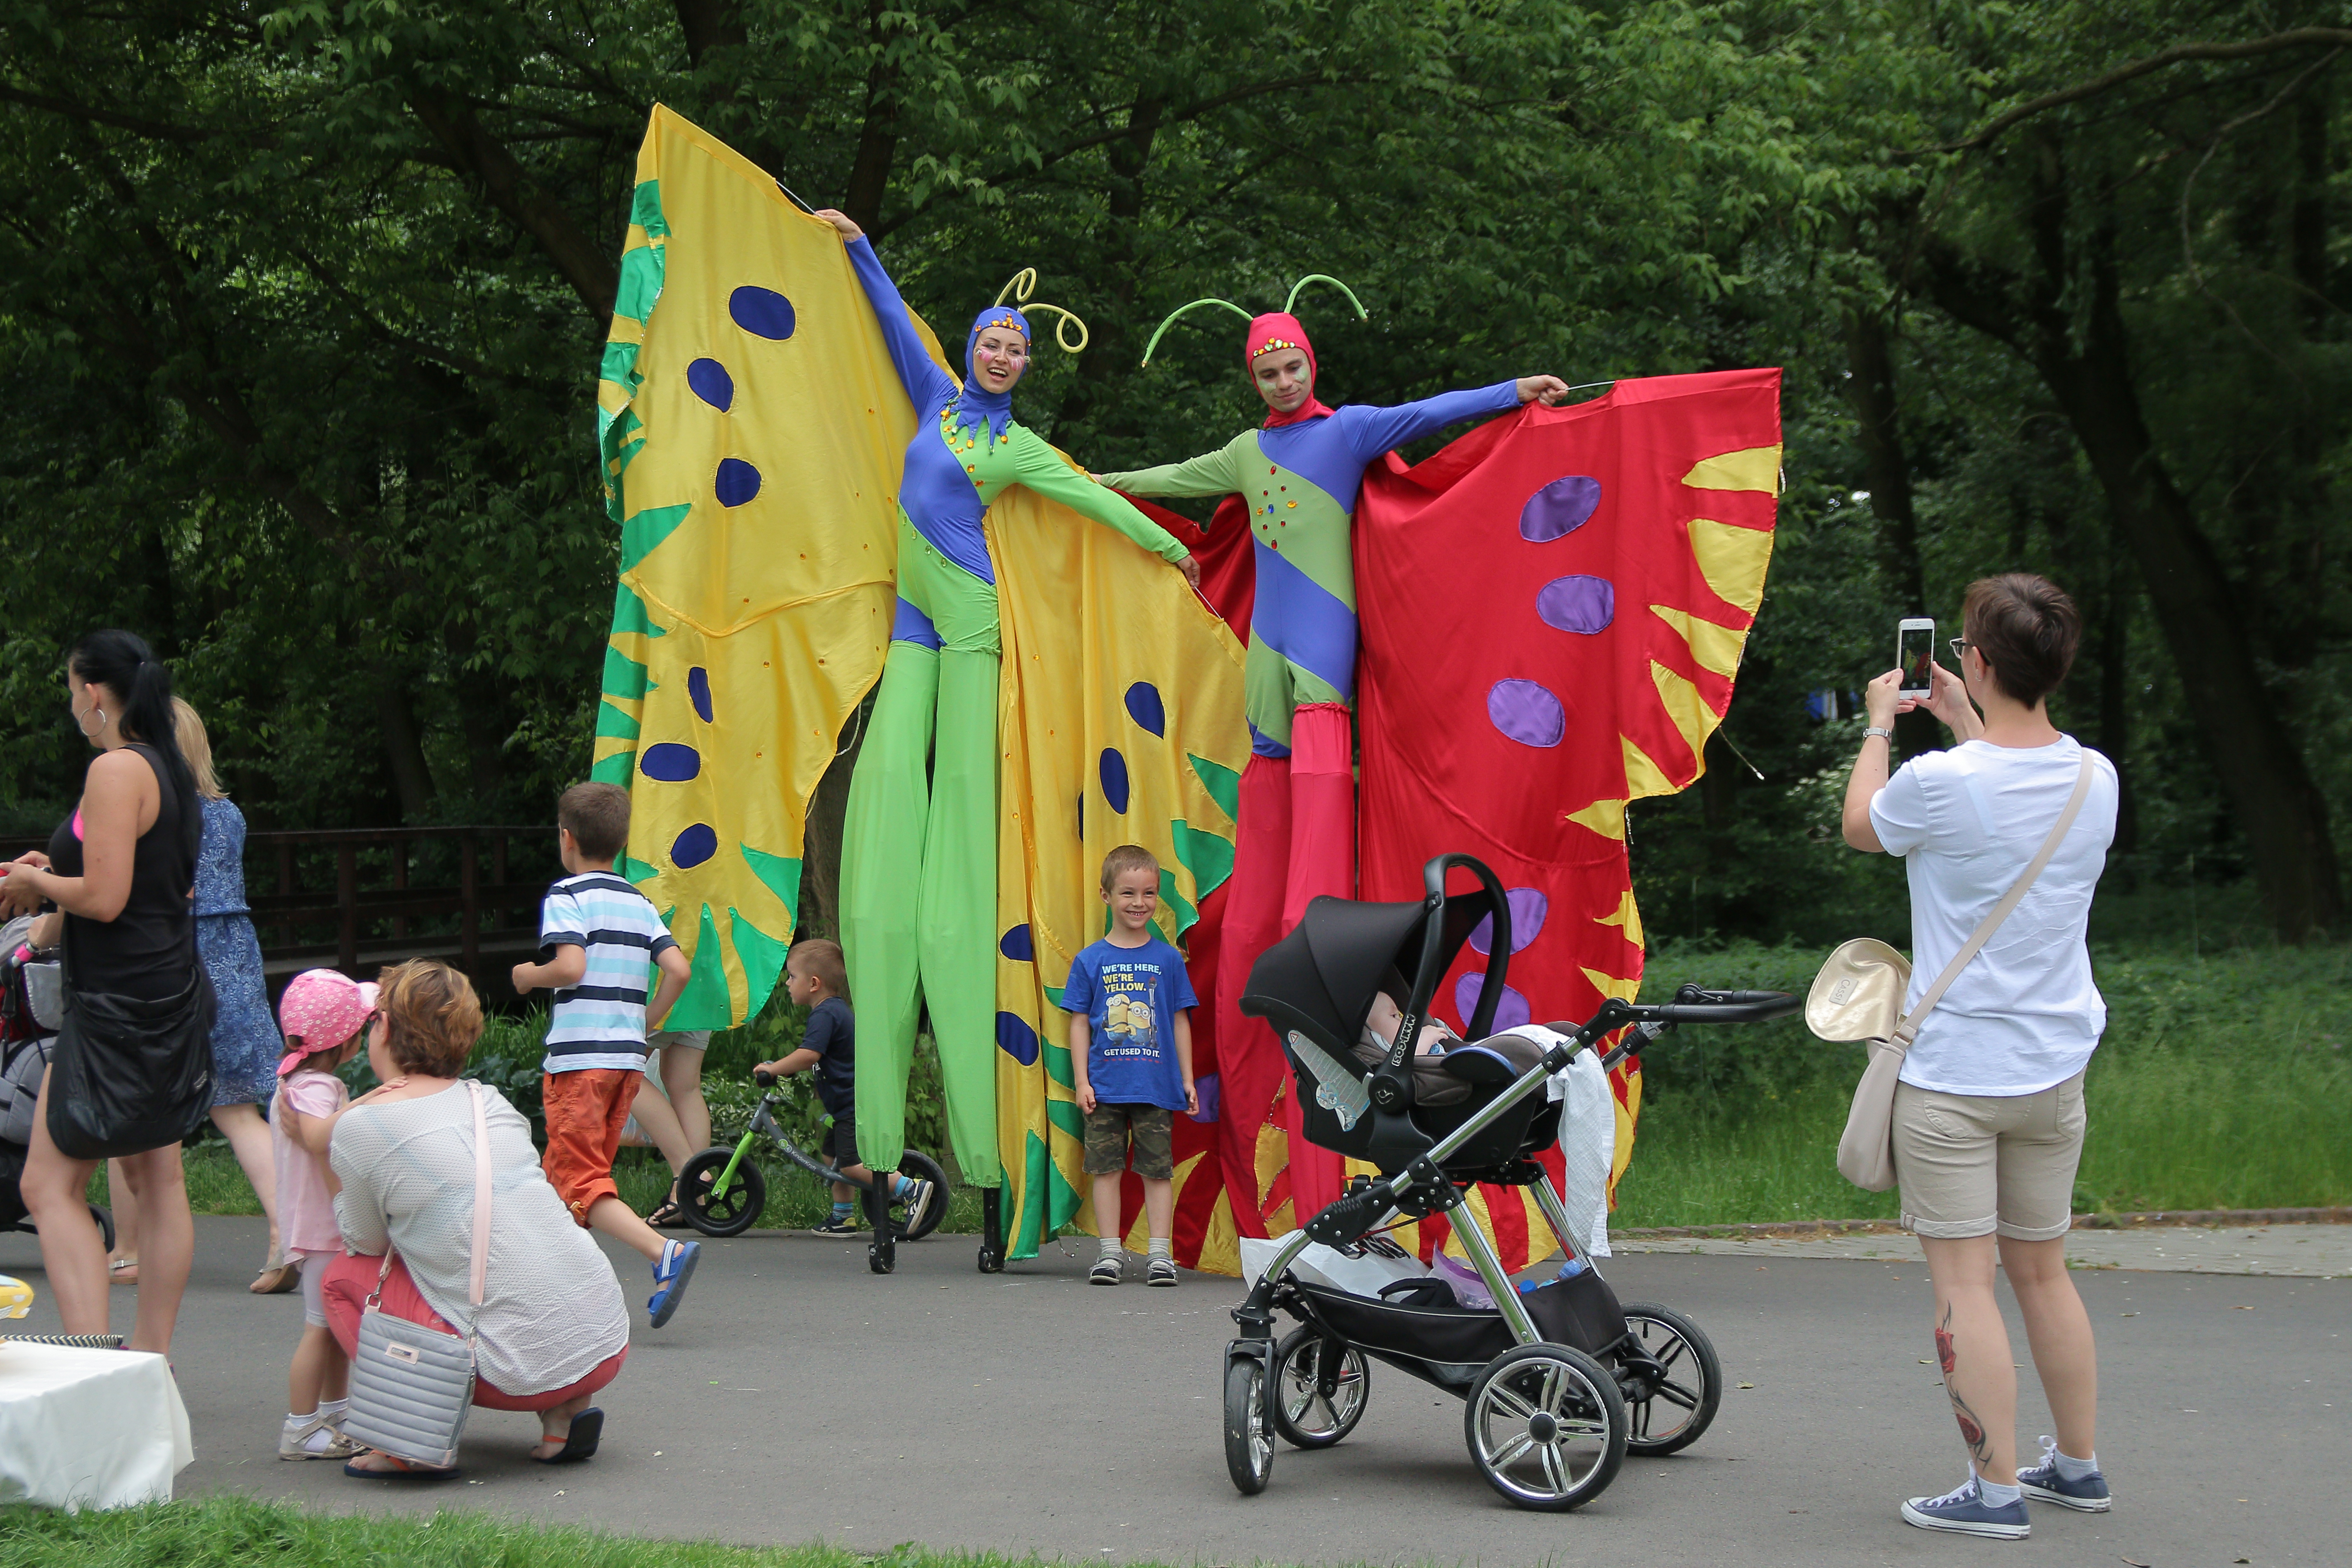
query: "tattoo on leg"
1972, 1432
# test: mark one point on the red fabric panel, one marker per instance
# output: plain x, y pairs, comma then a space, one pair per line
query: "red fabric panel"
352, 1279
1228, 565
1250, 1061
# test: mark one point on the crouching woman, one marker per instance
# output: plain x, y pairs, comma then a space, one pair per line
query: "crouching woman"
552, 1328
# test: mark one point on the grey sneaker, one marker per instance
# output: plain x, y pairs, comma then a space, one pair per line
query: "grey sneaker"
2042, 1483
1964, 1512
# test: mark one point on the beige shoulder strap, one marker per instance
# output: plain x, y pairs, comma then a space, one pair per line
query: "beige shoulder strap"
1908, 1026
481, 1198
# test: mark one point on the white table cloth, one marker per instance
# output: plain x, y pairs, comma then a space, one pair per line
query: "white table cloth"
82, 1428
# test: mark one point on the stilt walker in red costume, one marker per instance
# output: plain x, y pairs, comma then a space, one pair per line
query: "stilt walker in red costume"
1297, 474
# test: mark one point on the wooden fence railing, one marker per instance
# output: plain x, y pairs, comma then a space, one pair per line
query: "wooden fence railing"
356, 899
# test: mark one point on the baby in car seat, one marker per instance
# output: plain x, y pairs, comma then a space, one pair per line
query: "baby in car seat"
1431, 1084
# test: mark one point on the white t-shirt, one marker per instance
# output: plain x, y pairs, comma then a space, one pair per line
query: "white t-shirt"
2024, 1014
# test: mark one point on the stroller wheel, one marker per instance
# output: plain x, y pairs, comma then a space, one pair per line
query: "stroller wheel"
1546, 1427
712, 1212
1249, 1448
1671, 1398
1304, 1416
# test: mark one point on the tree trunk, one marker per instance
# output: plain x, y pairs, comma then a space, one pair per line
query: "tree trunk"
2281, 812
1105, 353
403, 749
1886, 468
877, 137
820, 911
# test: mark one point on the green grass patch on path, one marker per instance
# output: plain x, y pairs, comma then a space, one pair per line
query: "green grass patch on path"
235, 1533
2223, 1082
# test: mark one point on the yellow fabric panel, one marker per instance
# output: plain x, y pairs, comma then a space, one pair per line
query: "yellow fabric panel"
1606, 817
1755, 468
1715, 647
1088, 618
1644, 777
1684, 705
758, 624
1732, 560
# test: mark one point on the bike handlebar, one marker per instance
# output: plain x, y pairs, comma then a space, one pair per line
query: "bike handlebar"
764, 1079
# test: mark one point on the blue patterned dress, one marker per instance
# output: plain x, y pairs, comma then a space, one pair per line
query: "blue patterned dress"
246, 1043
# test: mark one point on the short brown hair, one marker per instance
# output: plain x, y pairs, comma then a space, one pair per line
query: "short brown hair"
1125, 859
432, 1019
2026, 628
597, 817
821, 958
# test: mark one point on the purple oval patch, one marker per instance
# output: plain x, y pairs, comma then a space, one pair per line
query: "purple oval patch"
1580, 604
1527, 906
1509, 1013
1560, 509
1525, 712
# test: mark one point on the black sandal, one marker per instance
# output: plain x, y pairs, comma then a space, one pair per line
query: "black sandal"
668, 1215
580, 1442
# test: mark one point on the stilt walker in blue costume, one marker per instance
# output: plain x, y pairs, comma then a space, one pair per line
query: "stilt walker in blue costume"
918, 852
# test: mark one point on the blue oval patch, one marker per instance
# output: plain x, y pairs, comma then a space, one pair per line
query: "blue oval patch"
1143, 706
737, 482
698, 691
670, 762
762, 312
1016, 1039
693, 847
1112, 771
1017, 945
708, 380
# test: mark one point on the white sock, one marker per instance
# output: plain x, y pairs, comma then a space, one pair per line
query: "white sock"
2075, 1469
1159, 1247
331, 1411
1998, 1497
296, 1423
1110, 1250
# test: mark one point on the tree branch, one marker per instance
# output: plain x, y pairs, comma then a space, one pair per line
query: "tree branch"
510, 188
2294, 39
154, 129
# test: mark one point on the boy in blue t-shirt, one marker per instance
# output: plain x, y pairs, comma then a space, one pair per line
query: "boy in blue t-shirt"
1129, 1002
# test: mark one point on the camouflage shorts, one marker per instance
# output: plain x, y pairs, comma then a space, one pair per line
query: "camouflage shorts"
1154, 1130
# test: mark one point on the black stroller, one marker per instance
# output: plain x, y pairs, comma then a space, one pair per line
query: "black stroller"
1560, 1382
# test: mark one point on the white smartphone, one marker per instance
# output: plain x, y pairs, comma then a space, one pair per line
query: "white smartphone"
1915, 654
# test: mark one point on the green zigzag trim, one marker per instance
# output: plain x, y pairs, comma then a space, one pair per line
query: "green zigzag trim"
1223, 784
643, 534
1208, 855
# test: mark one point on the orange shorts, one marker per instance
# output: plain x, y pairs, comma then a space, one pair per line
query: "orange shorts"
586, 1109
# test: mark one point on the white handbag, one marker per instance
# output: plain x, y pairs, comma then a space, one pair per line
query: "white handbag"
412, 1386
1858, 995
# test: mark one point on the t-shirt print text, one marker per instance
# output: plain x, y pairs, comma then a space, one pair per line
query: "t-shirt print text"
1130, 1010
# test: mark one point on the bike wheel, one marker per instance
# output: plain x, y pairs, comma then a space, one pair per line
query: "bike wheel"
1249, 1448
1302, 1413
1546, 1427
1671, 1400
923, 1168
714, 1211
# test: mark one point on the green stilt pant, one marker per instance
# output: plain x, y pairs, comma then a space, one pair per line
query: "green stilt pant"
918, 868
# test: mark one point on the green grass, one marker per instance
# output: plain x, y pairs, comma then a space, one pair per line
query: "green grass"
239, 1532
2223, 1082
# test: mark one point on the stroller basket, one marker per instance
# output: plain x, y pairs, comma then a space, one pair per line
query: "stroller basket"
1451, 1345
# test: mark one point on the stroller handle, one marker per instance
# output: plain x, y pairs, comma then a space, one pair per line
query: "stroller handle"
1693, 1005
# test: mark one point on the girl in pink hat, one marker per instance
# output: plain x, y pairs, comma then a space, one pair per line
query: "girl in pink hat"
324, 1017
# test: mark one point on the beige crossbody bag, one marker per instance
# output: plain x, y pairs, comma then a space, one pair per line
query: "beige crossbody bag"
1858, 995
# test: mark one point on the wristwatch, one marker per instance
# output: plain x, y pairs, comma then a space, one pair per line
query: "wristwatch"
1875, 729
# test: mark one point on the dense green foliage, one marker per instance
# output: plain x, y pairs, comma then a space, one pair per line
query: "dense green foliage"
299, 307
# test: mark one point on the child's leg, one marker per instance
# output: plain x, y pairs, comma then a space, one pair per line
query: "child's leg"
1107, 1195
681, 1079
586, 1112
1159, 1207
319, 1371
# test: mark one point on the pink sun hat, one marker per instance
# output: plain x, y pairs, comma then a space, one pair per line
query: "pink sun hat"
322, 1008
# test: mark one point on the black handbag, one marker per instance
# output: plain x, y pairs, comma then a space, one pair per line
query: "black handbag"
128, 1074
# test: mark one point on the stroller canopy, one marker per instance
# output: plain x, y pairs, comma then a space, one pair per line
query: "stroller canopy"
1324, 976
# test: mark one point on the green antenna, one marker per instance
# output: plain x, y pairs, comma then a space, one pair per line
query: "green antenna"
1362, 315
1171, 321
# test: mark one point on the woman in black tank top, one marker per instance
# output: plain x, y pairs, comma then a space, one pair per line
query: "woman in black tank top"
121, 871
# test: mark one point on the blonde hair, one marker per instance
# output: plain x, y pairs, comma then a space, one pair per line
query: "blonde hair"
195, 748
1125, 859
432, 1019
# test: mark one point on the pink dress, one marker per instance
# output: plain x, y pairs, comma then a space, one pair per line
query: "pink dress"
306, 1209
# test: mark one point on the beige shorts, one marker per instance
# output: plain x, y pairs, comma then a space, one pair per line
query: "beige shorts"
1972, 1164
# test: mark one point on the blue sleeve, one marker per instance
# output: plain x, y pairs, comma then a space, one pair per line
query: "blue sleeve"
1180, 988
1371, 431
926, 384
1079, 991
820, 1032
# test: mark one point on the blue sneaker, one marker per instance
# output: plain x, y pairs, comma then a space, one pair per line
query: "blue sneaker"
1964, 1511
2042, 1483
670, 1275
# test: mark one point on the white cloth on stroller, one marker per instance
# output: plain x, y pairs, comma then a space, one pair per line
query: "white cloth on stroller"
1383, 1263
1588, 1140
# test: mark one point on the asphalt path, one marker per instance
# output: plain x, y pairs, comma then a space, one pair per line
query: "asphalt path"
796, 1396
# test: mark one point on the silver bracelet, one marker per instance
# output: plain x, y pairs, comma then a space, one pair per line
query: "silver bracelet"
1875, 730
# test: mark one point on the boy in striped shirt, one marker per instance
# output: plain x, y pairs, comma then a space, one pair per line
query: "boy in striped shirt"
600, 940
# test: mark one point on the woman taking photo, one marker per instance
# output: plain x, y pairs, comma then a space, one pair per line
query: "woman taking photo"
121, 871
552, 1328
1989, 1117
